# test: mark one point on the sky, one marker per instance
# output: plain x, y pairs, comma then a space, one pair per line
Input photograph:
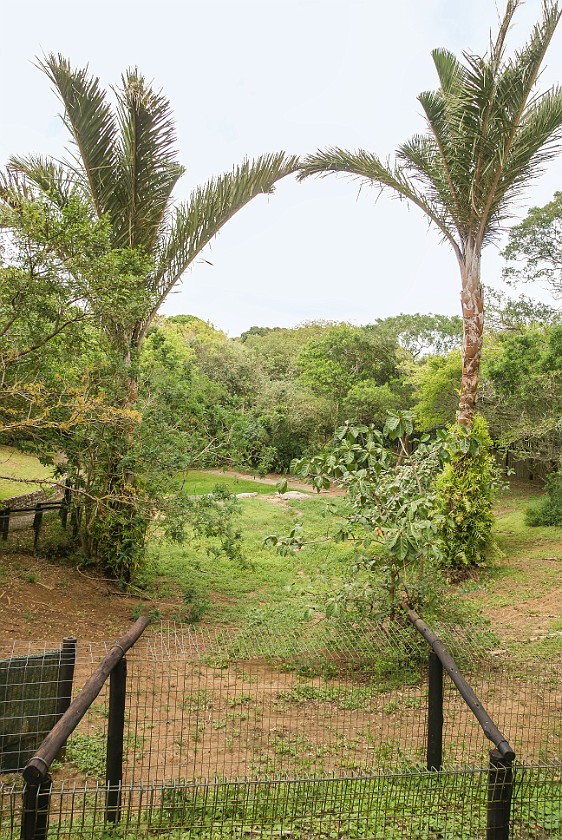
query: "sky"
246, 77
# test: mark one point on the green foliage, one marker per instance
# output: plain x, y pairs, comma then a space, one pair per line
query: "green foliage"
436, 389
367, 402
422, 335
210, 518
465, 491
523, 390
549, 510
345, 356
534, 249
390, 512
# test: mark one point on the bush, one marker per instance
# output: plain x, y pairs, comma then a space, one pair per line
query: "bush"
465, 491
549, 510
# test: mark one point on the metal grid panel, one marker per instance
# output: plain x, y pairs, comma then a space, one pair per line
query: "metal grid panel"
421, 805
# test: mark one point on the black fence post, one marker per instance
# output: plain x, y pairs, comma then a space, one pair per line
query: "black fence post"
35, 810
435, 713
66, 674
115, 729
37, 520
66, 679
5, 522
500, 788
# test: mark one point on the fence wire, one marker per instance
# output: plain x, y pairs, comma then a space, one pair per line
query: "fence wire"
318, 733
414, 805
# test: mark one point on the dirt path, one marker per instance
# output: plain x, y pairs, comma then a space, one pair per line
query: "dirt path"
273, 478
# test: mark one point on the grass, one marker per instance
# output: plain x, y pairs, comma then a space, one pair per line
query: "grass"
529, 566
269, 583
531, 558
199, 483
15, 464
393, 807
407, 805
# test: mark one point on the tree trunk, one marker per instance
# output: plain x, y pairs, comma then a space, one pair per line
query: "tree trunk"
472, 302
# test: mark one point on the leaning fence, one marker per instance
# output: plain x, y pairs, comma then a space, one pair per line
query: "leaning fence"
311, 734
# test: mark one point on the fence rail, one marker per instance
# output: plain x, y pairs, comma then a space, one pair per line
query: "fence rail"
37, 510
318, 733
500, 776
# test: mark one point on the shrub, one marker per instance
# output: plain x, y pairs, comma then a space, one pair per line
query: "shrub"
465, 491
549, 510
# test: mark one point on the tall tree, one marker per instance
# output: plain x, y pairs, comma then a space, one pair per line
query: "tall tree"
534, 250
489, 132
125, 168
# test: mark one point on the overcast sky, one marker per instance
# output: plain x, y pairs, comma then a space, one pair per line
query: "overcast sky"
246, 77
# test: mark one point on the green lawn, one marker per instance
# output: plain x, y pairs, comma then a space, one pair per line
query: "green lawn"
199, 482
269, 584
19, 465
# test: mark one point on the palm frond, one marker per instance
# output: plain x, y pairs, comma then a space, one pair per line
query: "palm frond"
199, 220
513, 94
53, 180
370, 169
449, 69
538, 140
147, 166
91, 123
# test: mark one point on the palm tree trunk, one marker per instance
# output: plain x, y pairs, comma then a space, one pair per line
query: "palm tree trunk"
472, 302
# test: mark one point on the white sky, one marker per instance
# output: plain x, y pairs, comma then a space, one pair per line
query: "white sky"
246, 77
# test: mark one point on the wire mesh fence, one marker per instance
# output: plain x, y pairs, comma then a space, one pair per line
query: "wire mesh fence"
316, 733
451, 804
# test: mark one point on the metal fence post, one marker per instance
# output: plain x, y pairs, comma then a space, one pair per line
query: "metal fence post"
115, 729
35, 810
500, 788
435, 713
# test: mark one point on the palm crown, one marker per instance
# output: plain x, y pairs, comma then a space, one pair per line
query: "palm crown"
488, 133
125, 163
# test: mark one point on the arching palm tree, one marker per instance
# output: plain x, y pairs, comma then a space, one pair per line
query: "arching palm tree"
125, 170
125, 165
488, 134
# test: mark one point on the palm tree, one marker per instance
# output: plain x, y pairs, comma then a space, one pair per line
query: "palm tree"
125, 165
489, 132
124, 168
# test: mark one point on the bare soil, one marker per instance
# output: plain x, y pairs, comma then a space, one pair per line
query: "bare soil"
43, 601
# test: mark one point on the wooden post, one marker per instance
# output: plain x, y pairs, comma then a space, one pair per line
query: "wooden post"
37, 520
500, 788
66, 678
65, 506
35, 810
37, 767
5, 522
66, 674
115, 729
435, 713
